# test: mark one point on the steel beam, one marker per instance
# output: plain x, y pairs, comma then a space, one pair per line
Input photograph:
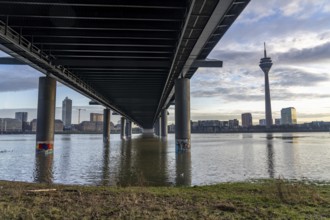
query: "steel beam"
10, 61
110, 63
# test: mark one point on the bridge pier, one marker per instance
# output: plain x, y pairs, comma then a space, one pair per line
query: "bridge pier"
46, 115
164, 123
182, 114
106, 125
128, 129
122, 128
157, 127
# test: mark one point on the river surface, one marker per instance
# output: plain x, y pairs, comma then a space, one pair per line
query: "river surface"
214, 158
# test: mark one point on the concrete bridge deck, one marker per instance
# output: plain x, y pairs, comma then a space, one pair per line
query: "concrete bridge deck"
124, 55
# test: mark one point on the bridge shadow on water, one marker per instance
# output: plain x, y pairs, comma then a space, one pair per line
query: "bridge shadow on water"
145, 162
141, 161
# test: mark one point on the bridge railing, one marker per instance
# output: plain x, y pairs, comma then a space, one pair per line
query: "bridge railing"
22, 41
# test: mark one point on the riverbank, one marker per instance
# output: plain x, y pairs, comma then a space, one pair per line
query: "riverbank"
269, 199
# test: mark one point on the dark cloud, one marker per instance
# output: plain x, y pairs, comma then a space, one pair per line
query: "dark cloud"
18, 78
285, 77
310, 55
292, 57
250, 94
14, 84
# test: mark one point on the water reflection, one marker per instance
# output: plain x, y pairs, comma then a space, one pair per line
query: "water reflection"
43, 172
106, 164
65, 157
143, 161
83, 159
270, 155
290, 151
183, 169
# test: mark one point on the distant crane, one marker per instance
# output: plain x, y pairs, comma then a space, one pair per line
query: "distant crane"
80, 109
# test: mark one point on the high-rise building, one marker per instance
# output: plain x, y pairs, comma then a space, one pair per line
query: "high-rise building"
288, 116
23, 117
246, 120
265, 65
96, 117
277, 121
67, 112
233, 123
262, 122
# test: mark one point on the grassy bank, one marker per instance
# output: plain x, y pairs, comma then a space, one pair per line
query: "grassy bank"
276, 199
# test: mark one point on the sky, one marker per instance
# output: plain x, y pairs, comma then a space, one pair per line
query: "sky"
297, 34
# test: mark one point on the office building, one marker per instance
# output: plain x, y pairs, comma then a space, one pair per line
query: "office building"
277, 121
96, 117
58, 125
262, 122
10, 125
67, 112
23, 118
246, 120
234, 123
288, 116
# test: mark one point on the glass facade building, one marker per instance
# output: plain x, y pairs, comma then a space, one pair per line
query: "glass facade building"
288, 116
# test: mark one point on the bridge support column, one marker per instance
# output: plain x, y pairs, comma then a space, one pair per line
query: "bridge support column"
182, 114
128, 130
157, 127
46, 114
106, 125
164, 123
122, 128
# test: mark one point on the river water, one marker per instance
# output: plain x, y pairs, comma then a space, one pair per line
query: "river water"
214, 158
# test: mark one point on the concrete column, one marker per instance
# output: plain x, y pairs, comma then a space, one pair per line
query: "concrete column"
46, 114
128, 130
164, 123
157, 127
106, 125
268, 107
122, 130
182, 114
43, 172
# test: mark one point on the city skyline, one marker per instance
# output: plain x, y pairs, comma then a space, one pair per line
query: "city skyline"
298, 40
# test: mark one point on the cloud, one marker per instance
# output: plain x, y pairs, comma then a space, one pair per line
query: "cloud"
314, 54
258, 10
248, 85
18, 78
251, 58
289, 77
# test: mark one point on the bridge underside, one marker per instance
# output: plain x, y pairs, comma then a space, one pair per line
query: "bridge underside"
123, 54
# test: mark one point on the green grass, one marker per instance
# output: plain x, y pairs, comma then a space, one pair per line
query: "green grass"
269, 199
